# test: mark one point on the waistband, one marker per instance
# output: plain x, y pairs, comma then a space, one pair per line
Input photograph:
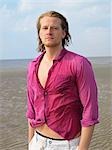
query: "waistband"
46, 139
49, 137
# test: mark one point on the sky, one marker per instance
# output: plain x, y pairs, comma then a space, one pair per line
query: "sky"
89, 24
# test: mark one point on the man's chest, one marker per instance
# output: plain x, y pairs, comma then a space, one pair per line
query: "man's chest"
42, 72
56, 76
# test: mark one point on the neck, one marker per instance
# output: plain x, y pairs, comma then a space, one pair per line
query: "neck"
52, 52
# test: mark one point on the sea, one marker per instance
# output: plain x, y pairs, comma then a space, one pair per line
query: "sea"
23, 63
14, 63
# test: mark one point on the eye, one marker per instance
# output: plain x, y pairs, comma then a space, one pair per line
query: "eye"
55, 28
45, 28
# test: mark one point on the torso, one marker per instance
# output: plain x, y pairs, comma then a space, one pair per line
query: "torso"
42, 76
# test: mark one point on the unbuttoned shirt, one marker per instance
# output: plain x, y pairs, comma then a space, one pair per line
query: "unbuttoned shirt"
69, 99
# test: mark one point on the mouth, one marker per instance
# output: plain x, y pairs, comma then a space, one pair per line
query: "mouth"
49, 38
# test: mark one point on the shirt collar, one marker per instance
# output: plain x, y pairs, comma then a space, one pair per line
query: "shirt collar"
59, 57
39, 57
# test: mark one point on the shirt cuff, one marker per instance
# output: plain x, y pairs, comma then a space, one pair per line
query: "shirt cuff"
88, 123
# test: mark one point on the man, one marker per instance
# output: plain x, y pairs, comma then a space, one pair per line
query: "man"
61, 91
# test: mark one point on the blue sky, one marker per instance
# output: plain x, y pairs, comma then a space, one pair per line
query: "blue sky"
89, 23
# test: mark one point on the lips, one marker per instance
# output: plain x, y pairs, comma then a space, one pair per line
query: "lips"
49, 38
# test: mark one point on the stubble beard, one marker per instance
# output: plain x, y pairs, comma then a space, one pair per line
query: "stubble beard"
52, 45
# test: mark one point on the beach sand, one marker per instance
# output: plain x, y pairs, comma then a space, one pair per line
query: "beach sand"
13, 123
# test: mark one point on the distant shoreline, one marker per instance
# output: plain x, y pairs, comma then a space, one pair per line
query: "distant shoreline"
94, 57
18, 64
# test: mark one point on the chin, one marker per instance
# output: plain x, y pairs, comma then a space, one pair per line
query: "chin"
52, 44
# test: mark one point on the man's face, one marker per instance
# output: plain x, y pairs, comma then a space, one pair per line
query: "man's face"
51, 32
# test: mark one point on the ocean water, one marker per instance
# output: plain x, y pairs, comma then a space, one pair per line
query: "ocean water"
15, 63
101, 60
23, 63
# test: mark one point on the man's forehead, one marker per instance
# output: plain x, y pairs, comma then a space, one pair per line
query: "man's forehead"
48, 20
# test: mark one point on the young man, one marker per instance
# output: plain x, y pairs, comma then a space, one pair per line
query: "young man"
61, 90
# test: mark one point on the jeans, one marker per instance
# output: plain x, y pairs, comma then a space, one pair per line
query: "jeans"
39, 142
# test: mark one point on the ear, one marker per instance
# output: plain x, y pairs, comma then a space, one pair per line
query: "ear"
63, 34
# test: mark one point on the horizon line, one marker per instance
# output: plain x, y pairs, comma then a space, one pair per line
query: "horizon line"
35, 57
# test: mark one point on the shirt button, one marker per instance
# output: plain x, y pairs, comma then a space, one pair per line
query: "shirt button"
45, 93
39, 119
50, 142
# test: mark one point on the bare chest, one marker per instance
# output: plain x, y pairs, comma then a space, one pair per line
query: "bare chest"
43, 72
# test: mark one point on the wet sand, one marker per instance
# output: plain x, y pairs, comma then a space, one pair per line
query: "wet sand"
13, 124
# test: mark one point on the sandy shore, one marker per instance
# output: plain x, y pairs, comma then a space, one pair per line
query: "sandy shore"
13, 124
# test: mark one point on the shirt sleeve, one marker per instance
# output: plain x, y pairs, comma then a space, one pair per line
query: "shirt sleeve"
30, 95
87, 92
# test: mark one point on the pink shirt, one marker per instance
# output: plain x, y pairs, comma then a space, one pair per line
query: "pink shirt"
69, 99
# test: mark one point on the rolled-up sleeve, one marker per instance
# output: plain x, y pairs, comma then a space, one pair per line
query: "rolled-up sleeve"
88, 93
30, 110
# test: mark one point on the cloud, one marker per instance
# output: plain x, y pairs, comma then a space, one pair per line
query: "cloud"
6, 18
95, 41
24, 25
91, 13
89, 22
32, 5
13, 21
79, 12
25, 5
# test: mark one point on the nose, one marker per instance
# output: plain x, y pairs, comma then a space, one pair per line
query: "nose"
49, 31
